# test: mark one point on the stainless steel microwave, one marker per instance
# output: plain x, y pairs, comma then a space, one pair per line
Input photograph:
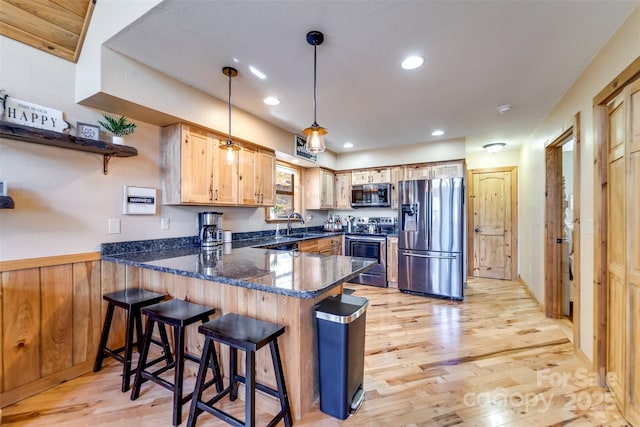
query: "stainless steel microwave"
371, 196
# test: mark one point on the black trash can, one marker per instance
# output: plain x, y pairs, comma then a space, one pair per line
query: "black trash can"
341, 323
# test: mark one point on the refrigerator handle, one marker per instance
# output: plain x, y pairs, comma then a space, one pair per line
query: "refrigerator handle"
429, 256
428, 212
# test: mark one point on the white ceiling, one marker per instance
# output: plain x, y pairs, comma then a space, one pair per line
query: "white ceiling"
478, 55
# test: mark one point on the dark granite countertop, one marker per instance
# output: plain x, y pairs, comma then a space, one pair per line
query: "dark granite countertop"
296, 274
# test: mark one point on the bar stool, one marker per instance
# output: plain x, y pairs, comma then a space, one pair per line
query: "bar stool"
179, 314
249, 335
131, 300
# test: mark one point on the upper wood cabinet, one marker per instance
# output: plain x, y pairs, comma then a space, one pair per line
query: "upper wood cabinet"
224, 188
421, 171
257, 169
371, 176
195, 171
343, 190
186, 166
397, 175
435, 170
319, 188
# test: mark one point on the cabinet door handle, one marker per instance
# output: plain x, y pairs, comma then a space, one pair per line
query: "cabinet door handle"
216, 194
211, 192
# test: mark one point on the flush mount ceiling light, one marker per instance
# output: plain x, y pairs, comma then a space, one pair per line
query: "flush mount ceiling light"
315, 133
503, 109
494, 147
412, 62
437, 132
228, 144
348, 145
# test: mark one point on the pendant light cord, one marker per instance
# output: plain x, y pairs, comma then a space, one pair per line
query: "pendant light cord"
315, 84
229, 140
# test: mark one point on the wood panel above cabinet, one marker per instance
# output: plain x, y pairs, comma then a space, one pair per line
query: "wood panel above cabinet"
194, 171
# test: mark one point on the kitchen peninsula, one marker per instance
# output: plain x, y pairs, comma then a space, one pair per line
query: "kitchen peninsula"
272, 285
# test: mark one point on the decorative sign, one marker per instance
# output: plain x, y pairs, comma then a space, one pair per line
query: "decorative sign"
33, 115
301, 149
89, 131
139, 201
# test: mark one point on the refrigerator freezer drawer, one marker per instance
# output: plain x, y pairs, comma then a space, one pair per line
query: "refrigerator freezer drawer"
430, 273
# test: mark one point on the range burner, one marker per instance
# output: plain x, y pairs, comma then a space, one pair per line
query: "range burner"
374, 225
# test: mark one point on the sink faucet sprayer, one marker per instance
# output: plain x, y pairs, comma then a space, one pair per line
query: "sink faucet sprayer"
293, 215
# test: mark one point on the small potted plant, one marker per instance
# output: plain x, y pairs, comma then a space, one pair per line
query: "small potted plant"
118, 127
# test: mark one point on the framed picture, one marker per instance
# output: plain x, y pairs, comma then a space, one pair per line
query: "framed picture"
88, 131
301, 149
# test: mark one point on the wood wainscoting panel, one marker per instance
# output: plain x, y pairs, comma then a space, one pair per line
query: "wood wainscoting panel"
20, 327
56, 328
51, 322
87, 319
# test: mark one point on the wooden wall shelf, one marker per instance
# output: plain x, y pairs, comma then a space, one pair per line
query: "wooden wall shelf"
62, 140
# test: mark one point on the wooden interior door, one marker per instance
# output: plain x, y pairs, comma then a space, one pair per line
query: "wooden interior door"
616, 288
633, 256
492, 224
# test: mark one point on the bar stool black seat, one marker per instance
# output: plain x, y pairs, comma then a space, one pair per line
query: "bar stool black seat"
179, 314
247, 334
131, 300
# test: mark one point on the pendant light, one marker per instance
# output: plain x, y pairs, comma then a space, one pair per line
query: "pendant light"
228, 144
315, 133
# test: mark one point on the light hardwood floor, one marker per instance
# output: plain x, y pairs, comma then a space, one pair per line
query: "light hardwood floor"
492, 360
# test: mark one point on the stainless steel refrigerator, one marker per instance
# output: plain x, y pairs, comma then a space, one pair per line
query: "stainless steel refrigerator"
430, 237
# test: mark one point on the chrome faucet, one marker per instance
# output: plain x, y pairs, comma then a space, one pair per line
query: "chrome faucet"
293, 215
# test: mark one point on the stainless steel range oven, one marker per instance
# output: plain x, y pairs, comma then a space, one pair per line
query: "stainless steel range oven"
369, 246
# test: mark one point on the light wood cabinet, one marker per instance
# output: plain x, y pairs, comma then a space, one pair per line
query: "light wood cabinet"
447, 170
224, 177
397, 175
421, 171
392, 262
319, 189
371, 176
343, 190
326, 245
195, 171
435, 170
256, 181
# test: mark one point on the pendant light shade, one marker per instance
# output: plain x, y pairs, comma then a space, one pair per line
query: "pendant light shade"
315, 133
228, 144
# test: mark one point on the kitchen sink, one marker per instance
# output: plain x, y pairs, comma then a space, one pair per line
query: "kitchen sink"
304, 235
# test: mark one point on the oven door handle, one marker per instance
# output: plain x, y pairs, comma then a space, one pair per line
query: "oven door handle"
429, 256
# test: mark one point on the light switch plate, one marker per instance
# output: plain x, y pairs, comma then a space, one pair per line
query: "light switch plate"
114, 226
164, 223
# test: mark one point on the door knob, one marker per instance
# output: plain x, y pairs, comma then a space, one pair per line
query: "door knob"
476, 229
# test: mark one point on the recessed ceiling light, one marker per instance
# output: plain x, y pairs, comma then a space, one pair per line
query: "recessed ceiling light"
271, 100
259, 74
295, 161
412, 62
437, 132
348, 145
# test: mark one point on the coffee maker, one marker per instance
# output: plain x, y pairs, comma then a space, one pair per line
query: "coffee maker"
210, 224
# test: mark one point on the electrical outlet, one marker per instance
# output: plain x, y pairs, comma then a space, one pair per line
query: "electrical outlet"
164, 223
114, 226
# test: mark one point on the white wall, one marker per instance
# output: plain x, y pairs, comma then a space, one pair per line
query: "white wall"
622, 49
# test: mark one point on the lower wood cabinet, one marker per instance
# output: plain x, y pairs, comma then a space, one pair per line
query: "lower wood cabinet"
392, 262
327, 245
